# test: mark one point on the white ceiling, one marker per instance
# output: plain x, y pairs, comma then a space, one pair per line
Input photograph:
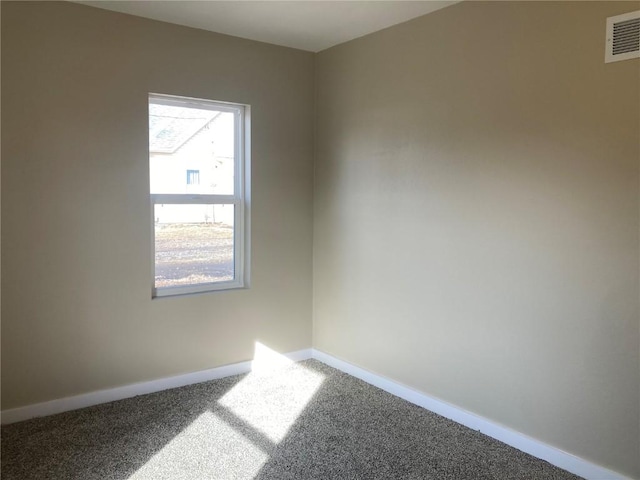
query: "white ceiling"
304, 24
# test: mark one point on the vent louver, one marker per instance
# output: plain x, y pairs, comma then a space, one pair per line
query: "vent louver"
623, 37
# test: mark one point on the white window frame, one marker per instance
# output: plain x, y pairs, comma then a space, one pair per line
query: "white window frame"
239, 199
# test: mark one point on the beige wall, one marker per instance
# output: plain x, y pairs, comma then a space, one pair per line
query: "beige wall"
77, 313
476, 218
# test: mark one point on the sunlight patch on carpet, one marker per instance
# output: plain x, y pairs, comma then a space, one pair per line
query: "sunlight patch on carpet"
208, 448
271, 402
234, 439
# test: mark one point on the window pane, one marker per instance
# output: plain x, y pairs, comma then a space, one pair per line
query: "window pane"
191, 150
193, 244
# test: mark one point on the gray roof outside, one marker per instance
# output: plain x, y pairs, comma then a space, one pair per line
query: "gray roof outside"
171, 127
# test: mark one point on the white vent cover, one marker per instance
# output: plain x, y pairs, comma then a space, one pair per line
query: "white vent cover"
623, 37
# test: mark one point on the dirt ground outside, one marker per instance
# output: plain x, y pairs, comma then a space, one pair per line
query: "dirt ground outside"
189, 254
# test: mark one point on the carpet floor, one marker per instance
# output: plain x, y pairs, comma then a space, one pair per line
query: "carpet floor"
303, 421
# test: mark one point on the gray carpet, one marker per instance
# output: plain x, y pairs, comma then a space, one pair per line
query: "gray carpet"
306, 421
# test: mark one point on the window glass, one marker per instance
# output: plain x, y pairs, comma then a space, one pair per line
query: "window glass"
193, 244
185, 138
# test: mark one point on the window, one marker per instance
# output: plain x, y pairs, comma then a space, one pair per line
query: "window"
193, 177
200, 223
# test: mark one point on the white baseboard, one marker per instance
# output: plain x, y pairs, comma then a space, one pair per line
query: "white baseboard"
555, 456
104, 396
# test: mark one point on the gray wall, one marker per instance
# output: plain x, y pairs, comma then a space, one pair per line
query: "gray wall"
76, 253
476, 218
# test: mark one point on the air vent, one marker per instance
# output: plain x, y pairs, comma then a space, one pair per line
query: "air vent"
623, 37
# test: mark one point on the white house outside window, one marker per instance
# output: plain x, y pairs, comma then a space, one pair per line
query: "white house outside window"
199, 167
